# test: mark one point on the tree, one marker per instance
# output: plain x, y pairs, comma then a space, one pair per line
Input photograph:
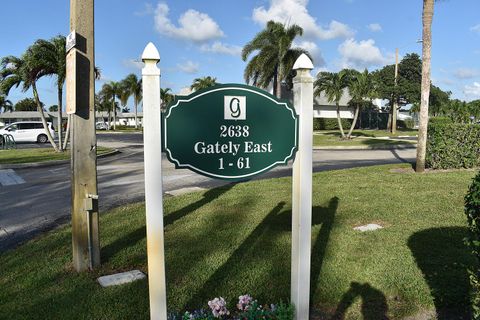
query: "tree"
106, 98
5, 105
427, 17
53, 108
133, 87
26, 104
333, 85
112, 90
362, 90
51, 58
166, 97
474, 107
275, 58
26, 70
202, 83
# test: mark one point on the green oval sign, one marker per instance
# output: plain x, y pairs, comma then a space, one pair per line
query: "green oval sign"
230, 131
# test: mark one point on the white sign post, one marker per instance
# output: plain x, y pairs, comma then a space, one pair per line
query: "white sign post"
153, 183
302, 189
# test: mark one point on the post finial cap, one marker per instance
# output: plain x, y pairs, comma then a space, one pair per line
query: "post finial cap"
150, 53
303, 62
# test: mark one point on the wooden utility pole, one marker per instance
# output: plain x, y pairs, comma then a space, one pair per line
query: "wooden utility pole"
81, 106
395, 96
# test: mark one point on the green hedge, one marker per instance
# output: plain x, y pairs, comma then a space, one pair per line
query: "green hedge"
472, 210
330, 123
440, 120
453, 146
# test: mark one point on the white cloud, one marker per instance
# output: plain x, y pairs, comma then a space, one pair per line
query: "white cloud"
296, 12
192, 25
221, 48
472, 91
314, 51
188, 67
374, 27
362, 54
465, 73
133, 64
476, 28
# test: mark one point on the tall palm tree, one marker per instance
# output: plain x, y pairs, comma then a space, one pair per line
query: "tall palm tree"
166, 97
333, 85
202, 83
51, 54
275, 58
362, 90
112, 90
26, 70
5, 105
427, 18
133, 86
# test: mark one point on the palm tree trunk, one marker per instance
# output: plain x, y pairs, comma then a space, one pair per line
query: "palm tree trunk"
60, 118
354, 122
67, 133
42, 116
340, 121
136, 122
275, 80
427, 18
393, 130
279, 87
109, 118
114, 115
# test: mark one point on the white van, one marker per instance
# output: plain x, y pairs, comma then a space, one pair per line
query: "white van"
28, 131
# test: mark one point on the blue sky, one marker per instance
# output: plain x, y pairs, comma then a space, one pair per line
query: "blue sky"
201, 38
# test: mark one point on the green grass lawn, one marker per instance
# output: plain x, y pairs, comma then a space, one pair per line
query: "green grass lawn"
374, 133
333, 139
15, 156
236, 239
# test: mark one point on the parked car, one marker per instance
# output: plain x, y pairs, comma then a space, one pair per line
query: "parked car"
28, 131
101, 126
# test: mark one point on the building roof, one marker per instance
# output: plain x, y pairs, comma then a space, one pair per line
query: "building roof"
27, 115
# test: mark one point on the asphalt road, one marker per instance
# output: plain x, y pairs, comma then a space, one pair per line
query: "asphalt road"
41, 199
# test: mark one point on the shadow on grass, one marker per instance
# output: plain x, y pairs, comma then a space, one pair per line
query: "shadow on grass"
137, 235
274, 223
374, 303
444, 259
354, 133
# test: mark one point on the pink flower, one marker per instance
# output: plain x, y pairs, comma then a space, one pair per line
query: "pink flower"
244, 302
219, 307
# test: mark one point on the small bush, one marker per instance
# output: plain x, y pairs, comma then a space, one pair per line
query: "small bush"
453, 145
330, 123
472, 210
406, 124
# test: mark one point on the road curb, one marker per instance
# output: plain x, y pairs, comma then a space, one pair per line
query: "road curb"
373, 147
50, 163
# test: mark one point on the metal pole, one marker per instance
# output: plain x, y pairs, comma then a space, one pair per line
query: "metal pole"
80, 104
302, 189
153, 183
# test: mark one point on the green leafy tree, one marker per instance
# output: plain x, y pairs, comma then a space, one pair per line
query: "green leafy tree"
133, 88
333, 85
53, 108
26, 104
275, 56
203, 83
5, 104
26, 70
474, 107
362, 90
112, 90
166, 97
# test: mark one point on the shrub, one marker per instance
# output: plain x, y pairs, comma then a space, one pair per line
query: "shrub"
406, 124
330, 123
440, 120
472, 210
453, 145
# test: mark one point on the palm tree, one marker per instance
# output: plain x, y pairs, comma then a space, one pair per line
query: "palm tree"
112, 90
26, 70
275, 58
362, 91
333, 85
202, 83
133, 87
51, 55
427, 18
166, 97
5, 105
